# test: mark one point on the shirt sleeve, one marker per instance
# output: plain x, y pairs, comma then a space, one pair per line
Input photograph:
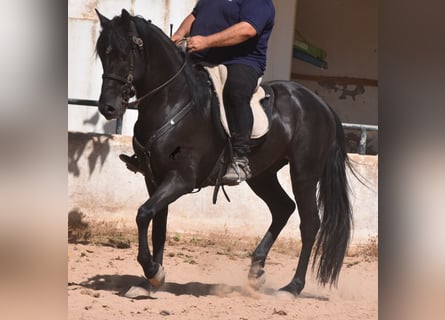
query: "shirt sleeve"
196, 9
259, 13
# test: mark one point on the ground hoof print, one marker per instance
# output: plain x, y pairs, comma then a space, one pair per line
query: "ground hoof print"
257, 282
159, 278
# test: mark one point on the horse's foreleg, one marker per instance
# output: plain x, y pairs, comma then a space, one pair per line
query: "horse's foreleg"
158, 235
169, 190
267, 187
305, 195
144, 216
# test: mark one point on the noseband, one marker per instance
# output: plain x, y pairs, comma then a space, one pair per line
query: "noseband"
129, 90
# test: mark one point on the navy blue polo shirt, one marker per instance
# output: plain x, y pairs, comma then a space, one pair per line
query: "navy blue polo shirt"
213, 16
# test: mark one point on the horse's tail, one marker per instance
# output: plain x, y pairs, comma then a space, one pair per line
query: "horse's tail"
336, 221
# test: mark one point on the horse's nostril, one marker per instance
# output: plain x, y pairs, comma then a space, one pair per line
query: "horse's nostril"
106, 108
109, 109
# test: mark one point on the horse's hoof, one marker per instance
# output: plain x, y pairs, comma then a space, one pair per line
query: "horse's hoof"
257, 283
159, 278
284, 295
137, 292
291, 289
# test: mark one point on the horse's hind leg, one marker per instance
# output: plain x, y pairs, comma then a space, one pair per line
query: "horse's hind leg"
267, 187
304, 190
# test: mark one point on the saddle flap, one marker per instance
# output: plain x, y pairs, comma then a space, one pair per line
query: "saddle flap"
218, 75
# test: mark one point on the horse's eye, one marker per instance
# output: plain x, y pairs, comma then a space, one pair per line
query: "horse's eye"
108, 50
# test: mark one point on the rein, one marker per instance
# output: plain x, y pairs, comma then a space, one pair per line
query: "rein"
166, 83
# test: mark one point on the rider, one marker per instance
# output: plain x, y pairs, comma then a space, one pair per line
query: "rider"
234, 33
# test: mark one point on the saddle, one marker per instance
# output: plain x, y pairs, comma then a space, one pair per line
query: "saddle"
261, 109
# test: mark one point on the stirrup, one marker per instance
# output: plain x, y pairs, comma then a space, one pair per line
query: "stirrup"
237, 172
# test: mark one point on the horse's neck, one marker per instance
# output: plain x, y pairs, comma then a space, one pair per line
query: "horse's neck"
163, 62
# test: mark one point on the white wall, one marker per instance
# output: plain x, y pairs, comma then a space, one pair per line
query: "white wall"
279, 57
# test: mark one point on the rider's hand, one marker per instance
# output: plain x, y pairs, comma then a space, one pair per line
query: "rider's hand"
176, 38
197, 43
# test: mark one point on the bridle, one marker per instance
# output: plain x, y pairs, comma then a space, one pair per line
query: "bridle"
129, 90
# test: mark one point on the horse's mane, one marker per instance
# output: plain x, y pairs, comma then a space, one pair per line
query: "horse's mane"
115, 36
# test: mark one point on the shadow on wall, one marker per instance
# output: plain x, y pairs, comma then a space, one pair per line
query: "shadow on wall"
98, 151
107, 127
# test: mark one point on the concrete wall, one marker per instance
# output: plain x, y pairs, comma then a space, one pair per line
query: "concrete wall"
103, 189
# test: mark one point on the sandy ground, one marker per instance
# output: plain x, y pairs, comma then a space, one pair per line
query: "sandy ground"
207, 283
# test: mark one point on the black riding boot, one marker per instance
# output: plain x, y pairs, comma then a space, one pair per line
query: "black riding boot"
133, 163
238, 171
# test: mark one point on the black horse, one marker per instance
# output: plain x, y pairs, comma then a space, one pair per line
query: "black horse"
179, 146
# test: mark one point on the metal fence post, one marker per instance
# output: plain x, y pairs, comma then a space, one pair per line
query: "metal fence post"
362, 145
119, 125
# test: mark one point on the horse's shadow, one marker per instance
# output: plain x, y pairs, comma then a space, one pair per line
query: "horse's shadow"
121, 283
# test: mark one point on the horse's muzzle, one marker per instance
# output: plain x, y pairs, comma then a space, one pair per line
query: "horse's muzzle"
108, 111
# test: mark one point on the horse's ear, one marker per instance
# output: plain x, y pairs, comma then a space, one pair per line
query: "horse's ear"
125, 15
103, 20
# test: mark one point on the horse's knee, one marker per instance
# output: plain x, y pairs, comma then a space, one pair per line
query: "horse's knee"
144, 215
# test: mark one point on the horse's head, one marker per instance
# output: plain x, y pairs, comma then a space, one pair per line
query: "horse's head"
120, 50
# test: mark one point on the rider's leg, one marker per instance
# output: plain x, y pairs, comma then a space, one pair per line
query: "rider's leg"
241, 83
